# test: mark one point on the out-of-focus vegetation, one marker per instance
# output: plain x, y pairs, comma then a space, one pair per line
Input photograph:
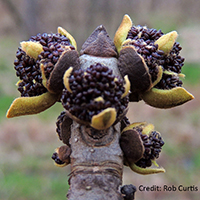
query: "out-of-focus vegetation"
27, 143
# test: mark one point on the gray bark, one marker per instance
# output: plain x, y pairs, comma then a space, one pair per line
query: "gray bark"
96, 163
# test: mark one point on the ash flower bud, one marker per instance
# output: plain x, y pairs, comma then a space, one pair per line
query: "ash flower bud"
61, 156
167, 41
153, 145
28, 71
46, 50
159, 64
40, 64
95, 96
151, 142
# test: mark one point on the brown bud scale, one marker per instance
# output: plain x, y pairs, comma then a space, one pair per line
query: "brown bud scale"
63, 127
59, 121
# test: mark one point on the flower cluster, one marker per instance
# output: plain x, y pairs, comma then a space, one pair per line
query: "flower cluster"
155, 57
28, 68
153, 145
30, 83
96, 85
144, 41
94, 90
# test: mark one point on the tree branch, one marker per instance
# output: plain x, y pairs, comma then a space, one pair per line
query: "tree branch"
96, 163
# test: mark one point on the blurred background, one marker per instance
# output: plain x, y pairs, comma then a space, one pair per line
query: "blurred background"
27, 143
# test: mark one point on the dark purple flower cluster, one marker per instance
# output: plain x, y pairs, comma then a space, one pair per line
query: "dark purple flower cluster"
93, 91
153, 145
28, 69
143, 40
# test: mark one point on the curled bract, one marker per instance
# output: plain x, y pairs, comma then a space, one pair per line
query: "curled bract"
122, 32
167, 98
166, 42
31, 105
104, 119
62, 31
32, 49
146, 171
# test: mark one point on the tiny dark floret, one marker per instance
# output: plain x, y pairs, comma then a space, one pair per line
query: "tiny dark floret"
57, 159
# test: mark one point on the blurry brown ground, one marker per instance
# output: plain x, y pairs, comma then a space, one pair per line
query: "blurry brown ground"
26, 143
